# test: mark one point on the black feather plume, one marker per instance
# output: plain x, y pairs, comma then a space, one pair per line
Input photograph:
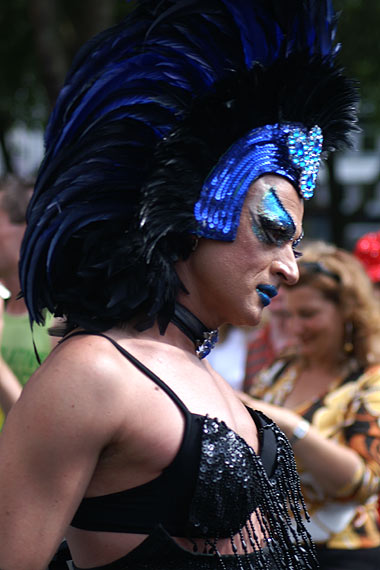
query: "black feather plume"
148, 108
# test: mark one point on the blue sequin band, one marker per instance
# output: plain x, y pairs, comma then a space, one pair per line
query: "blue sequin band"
288, 150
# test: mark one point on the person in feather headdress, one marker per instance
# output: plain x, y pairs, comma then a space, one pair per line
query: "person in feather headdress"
169, 201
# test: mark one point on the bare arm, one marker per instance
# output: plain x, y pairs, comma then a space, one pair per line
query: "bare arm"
49, 450
333, 465
10, 387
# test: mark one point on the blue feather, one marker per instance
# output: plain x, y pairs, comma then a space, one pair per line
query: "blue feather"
132, 96
260, 34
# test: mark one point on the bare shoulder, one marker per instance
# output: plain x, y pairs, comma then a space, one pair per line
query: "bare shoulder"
69, 412
83, 378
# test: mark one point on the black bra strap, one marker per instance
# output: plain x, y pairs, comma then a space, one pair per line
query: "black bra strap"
138, 365
268, 445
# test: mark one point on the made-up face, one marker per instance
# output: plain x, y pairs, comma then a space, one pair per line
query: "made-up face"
315, 322
233, 281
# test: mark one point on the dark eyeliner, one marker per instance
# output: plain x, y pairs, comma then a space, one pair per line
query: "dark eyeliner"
298, 254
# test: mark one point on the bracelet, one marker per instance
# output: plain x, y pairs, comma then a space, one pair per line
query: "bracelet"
299, 431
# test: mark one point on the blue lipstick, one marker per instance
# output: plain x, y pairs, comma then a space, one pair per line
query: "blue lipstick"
266, 293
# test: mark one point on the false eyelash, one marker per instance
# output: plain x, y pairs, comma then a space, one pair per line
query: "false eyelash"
297, 254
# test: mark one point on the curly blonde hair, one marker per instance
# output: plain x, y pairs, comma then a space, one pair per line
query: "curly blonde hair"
341, 278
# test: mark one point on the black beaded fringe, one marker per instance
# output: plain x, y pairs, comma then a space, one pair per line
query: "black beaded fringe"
233, 486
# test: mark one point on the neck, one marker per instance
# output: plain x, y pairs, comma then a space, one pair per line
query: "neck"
203, 338
332, 367
172, 336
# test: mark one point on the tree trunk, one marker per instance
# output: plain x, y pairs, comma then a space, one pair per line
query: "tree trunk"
50, 50
95, 16
337, 220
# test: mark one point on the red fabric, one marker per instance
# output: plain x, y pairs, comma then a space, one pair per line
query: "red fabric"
260, 354
367, 250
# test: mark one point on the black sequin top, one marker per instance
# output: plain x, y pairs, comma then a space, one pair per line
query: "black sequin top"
217, 487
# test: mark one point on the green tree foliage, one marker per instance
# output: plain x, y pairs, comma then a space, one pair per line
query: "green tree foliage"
358, 32
38, 39
20, 85
22, 95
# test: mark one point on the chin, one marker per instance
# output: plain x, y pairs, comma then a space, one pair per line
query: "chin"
251, 317
305, 351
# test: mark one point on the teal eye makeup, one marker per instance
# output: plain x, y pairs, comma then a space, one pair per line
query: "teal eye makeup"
272, 224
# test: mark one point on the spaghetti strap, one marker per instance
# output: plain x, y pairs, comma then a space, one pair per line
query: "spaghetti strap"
138, 365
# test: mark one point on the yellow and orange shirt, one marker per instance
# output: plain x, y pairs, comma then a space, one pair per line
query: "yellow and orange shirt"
349, 413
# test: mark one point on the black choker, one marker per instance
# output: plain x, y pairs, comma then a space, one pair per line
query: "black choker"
203, 338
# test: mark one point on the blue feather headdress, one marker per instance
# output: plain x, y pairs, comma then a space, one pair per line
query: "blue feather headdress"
148, 110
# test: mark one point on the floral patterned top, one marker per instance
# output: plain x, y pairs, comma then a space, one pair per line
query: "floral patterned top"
349, 413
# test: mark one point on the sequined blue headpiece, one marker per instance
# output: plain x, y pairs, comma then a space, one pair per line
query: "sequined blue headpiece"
148, 146
287, 150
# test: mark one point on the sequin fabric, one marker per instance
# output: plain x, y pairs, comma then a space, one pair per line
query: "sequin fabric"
234, 490
305, 150
288, 150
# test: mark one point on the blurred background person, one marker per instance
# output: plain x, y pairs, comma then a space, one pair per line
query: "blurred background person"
367, 250
267, 342
18, 358
326, 397
10, 387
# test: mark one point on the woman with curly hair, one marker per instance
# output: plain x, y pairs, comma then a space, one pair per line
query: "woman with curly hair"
325, 395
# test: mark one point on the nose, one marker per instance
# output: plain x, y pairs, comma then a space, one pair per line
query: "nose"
285, 266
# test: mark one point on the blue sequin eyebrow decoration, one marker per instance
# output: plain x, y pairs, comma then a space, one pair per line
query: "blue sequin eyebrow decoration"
287, 150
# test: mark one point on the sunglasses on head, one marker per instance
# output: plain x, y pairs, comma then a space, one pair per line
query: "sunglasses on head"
317, 268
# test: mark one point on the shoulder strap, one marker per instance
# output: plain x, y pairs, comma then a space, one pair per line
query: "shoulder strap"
268, 443
138, 365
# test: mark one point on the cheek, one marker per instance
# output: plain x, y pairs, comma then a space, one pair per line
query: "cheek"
329, 334
231, 257
321, 323
310, 326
